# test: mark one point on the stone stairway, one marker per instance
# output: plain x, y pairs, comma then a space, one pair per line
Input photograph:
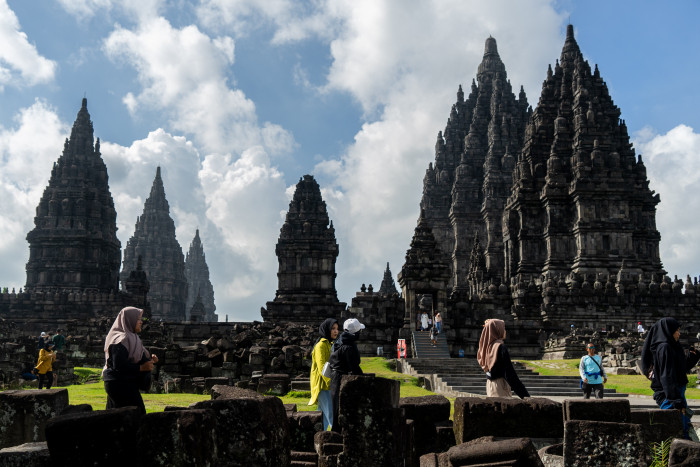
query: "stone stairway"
303, 459
424, 349
463, 377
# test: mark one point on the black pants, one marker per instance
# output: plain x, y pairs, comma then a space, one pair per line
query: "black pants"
124, 394
596, 388
48, 377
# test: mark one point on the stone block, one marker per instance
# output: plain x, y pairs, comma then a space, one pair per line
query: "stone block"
178, 438
589, 443
211, 382
426, 411
24, 414
276, 384
256, 359
103, 437
301, 385
302, 428
552, 455
601, 410
251, 429
429, 460
372, 424
444, 436
80, 408
684, 453
517, 451
658, 424
26, 455
475, 417
328, 443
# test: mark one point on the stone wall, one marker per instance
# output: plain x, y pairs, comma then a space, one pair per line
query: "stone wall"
376, 427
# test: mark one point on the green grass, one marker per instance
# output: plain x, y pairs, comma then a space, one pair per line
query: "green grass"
631, 384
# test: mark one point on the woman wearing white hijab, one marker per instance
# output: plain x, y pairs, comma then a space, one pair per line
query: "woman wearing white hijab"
127, 361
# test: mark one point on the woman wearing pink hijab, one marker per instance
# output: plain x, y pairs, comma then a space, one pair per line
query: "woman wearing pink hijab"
494, 358
127, 362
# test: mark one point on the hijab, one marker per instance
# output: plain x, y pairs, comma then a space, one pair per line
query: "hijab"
123, 332
325, 330
661, 333
491, 338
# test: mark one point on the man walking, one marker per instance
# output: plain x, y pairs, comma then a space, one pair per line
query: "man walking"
593, 375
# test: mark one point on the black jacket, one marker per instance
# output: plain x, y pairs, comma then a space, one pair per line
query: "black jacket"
503, 368
120, 368
345, 357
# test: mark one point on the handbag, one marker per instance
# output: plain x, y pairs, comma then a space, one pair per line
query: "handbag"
326, 371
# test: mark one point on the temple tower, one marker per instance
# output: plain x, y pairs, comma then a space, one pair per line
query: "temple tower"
73, 246
388, 286
198, 283
580, 198
163, 262
465, 190
306, 251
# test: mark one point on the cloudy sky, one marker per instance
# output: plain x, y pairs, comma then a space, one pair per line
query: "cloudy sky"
237, 99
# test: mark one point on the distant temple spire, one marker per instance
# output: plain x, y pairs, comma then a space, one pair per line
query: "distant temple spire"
199, 286
163, 262
388, 286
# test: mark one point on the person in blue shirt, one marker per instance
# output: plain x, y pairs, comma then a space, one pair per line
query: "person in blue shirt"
592, 373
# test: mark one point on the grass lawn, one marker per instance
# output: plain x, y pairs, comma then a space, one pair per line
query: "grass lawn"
94, 393
631, 384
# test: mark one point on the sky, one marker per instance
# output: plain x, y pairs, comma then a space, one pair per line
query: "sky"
238, 99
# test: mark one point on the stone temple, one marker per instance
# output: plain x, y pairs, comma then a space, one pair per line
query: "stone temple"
155, 243
74, 253
306, 252
543, 218
74, 245
198, 283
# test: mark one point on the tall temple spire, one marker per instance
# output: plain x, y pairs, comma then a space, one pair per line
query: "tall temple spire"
599, 211
198, 284
388, 286
154, 239
74, 245
306, 251
467, 190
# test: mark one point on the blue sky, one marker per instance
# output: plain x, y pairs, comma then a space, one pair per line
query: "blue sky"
237, 99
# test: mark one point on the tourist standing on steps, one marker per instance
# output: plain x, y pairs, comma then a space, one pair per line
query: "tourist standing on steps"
494, 358
320, 384
128, 364
424, 321
44, 366
344, 360
433, 336
666, 363
592, 373
438, 322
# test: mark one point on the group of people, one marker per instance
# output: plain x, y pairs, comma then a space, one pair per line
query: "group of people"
48, 347
434, 326
664, 361
333, 356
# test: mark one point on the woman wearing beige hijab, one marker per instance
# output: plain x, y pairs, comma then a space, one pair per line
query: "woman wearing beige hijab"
494, 358
127, 362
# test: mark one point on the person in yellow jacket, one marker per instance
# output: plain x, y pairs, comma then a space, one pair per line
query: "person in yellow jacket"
320, 385
44, 366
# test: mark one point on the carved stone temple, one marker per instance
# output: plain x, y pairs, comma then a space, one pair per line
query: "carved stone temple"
545, 217
74, 244
306, 251
74, 253
198, 283
163, 262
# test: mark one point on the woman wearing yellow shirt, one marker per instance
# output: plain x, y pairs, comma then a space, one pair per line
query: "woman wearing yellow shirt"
44, 365
320, 385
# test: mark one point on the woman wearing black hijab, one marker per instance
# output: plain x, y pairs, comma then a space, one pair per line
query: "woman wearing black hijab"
320, 385
664, 362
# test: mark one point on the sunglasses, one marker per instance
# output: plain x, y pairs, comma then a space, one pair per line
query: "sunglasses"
591, 346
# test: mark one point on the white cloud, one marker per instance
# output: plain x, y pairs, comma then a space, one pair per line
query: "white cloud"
20, 62
137, 9
25, 167
184, 73
673, 169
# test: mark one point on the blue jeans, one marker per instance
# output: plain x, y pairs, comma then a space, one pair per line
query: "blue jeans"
325, 405
666, 404
438, 326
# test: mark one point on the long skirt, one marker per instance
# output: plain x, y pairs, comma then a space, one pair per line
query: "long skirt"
124, 394
498, 387
666, 404
325, 405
